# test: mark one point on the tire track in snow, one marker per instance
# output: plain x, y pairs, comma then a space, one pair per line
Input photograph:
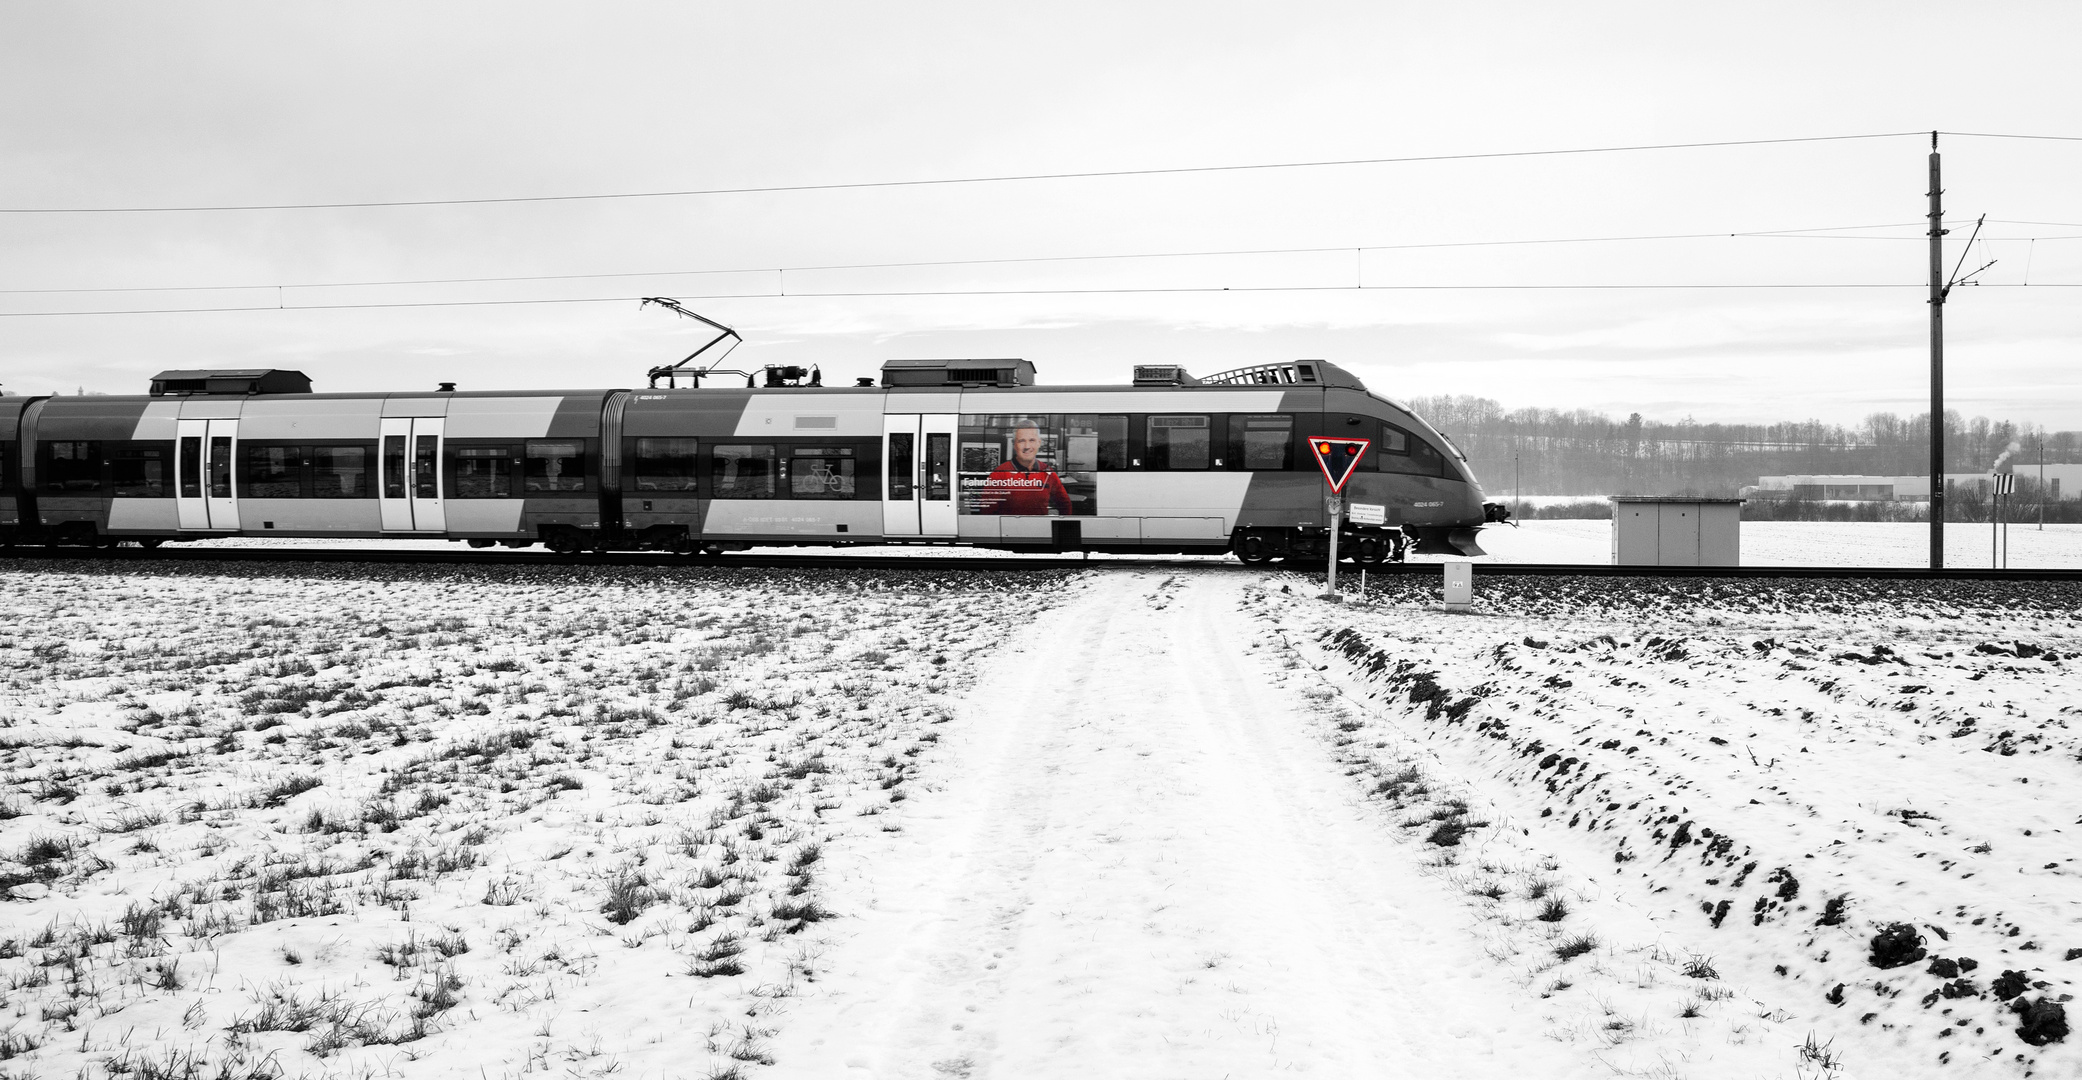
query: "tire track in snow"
1144, 864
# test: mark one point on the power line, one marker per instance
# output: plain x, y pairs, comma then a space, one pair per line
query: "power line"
1009, 178
2001, 135
1182, 290
1820, 232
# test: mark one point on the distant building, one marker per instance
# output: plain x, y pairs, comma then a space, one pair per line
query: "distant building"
1848, 488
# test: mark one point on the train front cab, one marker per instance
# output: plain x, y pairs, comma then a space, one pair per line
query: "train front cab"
1429, 500
1428, 491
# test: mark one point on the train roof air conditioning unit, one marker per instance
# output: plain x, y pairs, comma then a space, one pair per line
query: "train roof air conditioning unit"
240, 382
957, 373
1163, 375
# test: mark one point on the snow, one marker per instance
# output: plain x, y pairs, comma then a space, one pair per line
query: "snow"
262, 819
1903, 544
1149, 865
1730, 758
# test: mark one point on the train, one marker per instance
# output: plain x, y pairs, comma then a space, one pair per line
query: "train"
961, 452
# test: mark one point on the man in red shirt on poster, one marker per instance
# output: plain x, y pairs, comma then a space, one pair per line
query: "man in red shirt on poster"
1026, 485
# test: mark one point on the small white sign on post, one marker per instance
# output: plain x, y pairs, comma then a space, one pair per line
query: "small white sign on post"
1460, 586
1368, 514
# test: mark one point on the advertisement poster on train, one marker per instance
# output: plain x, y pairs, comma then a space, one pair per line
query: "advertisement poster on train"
1040, 465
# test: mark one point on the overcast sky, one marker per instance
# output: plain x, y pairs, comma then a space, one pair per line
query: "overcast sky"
156, 105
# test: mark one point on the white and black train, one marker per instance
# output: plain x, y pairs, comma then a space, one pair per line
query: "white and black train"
949, 452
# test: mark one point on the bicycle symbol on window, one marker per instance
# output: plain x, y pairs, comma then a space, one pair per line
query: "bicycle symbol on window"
822, 475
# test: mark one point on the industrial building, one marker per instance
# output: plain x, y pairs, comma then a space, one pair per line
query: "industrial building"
2060, 480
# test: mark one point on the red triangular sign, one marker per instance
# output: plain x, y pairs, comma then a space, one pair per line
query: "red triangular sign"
1338, 458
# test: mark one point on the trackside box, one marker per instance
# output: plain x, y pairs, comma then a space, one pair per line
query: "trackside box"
1676, 531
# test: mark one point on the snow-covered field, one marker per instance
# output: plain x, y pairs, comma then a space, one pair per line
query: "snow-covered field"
1807, 543
267, 820
1850, 799
447, 823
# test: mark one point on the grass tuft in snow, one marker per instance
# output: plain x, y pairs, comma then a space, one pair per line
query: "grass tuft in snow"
1576, 946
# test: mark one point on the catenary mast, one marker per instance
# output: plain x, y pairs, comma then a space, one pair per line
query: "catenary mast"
1937, 363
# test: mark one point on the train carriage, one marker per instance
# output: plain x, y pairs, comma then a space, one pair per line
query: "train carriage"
11, 409
950, 452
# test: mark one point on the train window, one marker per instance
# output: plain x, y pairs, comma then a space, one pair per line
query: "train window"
821, 472
554, 465
903, 467
220, 467
1096, 443
72, 466
1407, 453
1179, 442
140, 470
666, 464
393, 466
1428, 456
481, 472
1261, 442
271, 471
939, 467
426, 468
342, 472
743, 472
191, 467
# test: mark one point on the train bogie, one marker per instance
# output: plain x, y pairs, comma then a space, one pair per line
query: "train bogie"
955, 453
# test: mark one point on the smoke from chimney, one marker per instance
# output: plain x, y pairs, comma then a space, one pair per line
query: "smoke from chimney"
2004, 457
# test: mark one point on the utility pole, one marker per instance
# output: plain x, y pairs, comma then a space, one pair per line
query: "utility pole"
1518, 491
1937, 362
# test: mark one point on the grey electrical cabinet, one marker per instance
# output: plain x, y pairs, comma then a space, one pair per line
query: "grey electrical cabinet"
1676, 531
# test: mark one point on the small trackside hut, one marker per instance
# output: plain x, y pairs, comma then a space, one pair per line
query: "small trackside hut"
935, 451
1676, 530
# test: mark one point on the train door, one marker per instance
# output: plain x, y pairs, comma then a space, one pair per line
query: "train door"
205, 499
936, 502
918, 492
410, 495
900, 475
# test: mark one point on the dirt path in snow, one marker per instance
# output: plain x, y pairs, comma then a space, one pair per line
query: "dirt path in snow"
1144, 863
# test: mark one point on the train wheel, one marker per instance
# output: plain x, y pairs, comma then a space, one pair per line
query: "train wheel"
150, 543
1253, 550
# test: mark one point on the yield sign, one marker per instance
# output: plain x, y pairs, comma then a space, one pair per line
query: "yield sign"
1338, 457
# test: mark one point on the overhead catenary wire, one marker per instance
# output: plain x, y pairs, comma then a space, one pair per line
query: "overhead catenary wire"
2009, 135
862, 185
1815, 232
1180, 290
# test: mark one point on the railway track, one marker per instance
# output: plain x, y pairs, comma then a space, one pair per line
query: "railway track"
33, 556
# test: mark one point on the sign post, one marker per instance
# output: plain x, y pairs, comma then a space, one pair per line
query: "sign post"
1335, 507
1999, 491
1338, 458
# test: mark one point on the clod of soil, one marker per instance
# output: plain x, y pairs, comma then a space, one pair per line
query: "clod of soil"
1943, 968
1896, 946
2040, 1022
2010, 984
